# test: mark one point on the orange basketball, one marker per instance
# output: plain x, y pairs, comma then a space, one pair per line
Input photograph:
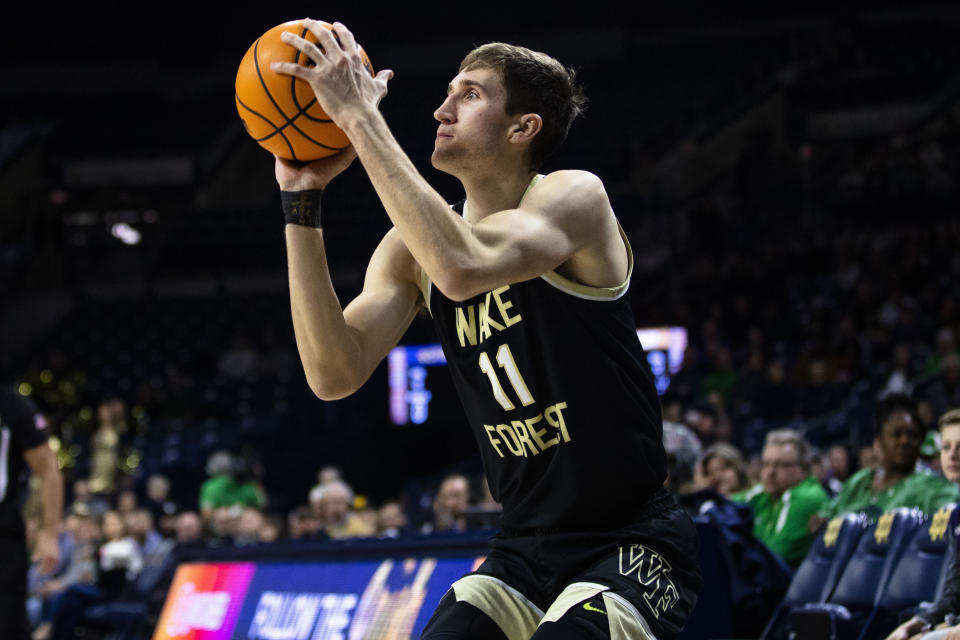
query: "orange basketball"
279, 111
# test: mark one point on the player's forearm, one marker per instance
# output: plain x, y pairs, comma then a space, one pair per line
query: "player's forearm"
441, 241
51, 497
328, 349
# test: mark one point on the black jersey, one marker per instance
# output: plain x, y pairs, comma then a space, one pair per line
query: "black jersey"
554, 384
20, 430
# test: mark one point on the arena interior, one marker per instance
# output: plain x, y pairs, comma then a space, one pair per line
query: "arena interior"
787, 178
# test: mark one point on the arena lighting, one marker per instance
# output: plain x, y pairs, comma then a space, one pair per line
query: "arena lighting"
410, 394
125, 233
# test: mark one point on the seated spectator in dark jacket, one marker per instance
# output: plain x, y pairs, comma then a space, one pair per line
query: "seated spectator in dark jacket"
946, 610
895, 482
786, 497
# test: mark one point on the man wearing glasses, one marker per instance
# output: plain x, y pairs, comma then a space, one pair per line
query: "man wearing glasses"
786, 497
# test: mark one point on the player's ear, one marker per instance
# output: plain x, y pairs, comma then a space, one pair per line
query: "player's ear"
527, 126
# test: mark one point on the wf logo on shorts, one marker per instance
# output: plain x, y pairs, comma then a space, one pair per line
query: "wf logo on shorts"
653, 572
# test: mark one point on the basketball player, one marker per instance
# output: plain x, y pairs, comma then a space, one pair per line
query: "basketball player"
23, 436
526, 281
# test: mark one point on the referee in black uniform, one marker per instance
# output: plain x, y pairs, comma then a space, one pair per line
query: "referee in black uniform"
23, 437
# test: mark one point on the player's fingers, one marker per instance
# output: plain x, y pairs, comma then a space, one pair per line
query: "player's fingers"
291, 69
325, 38
347, 41
306, 47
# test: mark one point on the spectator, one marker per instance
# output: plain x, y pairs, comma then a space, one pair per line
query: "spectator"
838, 468
683, 451
949, 602
158, 502
329, 474
229, 485
81, 569
222, 524
105, 443
869, 456
248, 525
270, 529
126, 502
391, 520
83, 499
895, 482
704, 418
903, 372
119, 564
189, 528
332, 501
139, 525
299, 522
722, 469
787, 497
450, 505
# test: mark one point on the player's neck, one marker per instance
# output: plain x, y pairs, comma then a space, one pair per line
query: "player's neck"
495, 192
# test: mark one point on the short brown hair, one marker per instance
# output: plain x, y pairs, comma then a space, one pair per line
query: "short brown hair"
535, 83
951, 417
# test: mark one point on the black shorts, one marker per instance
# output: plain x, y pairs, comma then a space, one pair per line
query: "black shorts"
643, 578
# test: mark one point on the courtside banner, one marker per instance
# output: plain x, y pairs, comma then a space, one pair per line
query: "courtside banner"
204, 601
364, 599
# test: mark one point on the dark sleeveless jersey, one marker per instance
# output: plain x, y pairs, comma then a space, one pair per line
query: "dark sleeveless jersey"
20, 430
554, 383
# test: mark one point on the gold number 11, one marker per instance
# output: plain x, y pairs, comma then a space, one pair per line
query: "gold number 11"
508, 364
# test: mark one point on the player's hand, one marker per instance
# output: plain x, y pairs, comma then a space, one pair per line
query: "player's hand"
954, 633
300, 176
343, 86
47, 552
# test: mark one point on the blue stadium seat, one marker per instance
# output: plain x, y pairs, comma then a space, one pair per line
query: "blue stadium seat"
817, 575
862, 583
925, 556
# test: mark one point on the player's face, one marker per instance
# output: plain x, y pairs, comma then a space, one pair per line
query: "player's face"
781, 468
473, 122
950, 452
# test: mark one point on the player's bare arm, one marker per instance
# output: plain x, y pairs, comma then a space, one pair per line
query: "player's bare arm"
565, 220
43, 464
340, 348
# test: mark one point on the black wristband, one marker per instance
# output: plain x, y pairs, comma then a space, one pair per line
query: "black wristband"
301, 207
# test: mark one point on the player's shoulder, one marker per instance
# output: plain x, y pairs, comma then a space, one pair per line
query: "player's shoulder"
578, 193
587, 183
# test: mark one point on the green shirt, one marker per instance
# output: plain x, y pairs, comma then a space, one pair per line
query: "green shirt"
782, 524
921, 489
223, 491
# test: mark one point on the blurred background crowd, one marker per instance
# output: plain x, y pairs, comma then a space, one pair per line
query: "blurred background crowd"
789, 184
